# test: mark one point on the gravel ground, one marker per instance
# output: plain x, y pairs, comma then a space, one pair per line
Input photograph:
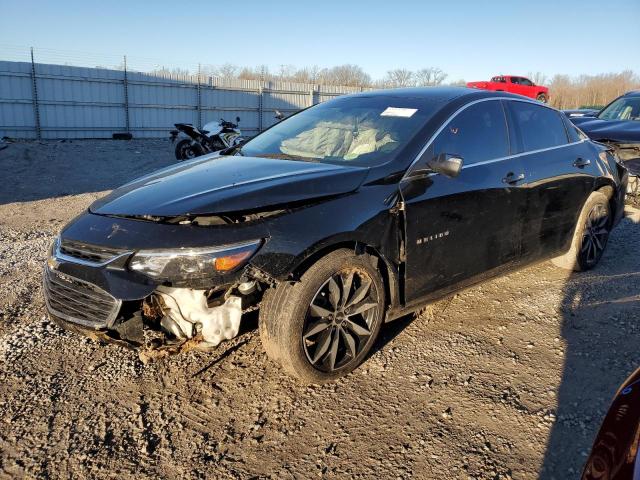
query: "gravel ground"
509, 379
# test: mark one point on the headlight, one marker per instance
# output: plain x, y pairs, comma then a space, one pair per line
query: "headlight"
192, 263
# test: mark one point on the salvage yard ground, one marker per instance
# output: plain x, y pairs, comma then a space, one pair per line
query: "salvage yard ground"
509, 379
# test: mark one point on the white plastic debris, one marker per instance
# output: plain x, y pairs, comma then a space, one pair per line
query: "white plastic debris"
188, 308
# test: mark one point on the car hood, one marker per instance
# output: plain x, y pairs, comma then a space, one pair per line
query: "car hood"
623, 131
224, 184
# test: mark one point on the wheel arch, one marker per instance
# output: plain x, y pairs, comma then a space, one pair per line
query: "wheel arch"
388, 271
609, 190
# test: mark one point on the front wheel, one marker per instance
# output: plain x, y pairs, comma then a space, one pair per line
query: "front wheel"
323, 326
187, 149
542, 98
590, 237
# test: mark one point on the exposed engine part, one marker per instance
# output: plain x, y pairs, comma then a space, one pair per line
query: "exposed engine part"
187, 314
625, 151
245, 288
261, 276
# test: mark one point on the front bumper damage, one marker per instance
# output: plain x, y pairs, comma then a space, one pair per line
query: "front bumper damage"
169, 320
186, 314
89, 290
629, 156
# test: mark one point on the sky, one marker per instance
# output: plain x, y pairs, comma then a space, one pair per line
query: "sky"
471, 40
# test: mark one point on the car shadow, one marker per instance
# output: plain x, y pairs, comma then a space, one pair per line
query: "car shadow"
600, 309
390, 331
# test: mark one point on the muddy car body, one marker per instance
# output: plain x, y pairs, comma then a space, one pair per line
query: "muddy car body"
424, 192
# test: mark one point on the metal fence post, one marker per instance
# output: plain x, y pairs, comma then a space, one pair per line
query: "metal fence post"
125, 82
312, 94
34, 96
199, 101
260, 107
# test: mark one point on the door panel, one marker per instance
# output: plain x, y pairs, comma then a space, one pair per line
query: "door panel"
556, 192
556, 188
459, 228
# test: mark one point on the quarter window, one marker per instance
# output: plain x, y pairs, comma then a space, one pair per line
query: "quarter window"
574, 134
477, 134
537, 127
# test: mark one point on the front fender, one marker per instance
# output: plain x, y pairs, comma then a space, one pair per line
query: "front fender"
298, 237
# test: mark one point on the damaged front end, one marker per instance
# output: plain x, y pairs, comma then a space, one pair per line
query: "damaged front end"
175, 312
175, 260
629, 155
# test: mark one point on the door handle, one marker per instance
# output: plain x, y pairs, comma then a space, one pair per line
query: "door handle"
581, 162
512, 178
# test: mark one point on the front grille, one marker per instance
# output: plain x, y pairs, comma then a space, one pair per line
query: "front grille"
78, 301
87, 252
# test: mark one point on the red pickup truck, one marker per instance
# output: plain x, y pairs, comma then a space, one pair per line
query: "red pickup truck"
513, 84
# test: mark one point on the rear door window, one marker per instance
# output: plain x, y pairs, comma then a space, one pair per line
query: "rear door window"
537, 127
477, 134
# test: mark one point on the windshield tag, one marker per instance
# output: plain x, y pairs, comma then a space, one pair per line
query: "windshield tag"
398, 112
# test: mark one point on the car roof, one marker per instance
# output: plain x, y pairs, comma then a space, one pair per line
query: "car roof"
436, 94
632, 93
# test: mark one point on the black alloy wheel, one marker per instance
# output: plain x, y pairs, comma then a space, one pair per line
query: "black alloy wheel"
340, 320
595, 234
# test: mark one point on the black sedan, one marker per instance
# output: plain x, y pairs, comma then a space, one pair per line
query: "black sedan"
342, 217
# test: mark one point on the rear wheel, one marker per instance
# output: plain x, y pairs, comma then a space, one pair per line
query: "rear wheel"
542, 98
590, 237
323, 326
186, 149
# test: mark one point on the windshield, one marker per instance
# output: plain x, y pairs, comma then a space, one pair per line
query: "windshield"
624, 108
364, 131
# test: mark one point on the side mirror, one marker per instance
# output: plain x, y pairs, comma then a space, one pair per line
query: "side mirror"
446, 164
237, 119
279, 115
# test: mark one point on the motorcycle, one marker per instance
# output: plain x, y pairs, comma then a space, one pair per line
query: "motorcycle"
212, 137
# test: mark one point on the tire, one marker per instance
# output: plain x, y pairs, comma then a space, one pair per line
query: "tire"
590, 236
186, 150
310, 345
542, 98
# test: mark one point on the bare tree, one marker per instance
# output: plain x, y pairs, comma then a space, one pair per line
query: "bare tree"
307, 75
590, 90
260, 72
285, 72
400, 77
227, 71
429, 77
538, 78
347, 74
461, 82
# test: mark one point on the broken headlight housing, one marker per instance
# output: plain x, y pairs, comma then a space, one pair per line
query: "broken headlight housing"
192, 263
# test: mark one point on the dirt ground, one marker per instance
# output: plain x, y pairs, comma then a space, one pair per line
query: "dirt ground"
509, 379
